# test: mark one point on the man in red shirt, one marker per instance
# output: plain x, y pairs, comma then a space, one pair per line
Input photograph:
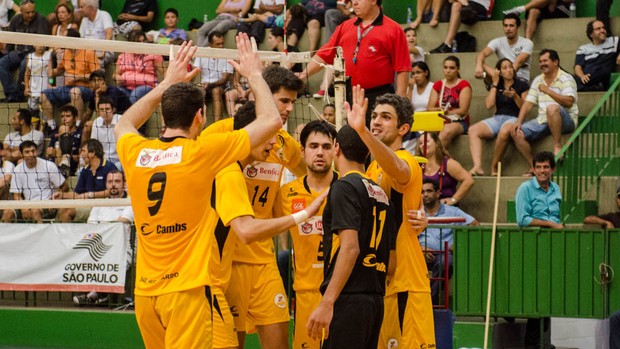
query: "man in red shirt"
374, 47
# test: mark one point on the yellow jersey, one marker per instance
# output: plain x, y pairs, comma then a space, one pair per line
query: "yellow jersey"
307, 236
231, 201
263, 182
170, 183
411, 272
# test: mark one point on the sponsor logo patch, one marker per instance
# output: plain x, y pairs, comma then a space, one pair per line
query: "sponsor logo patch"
152, 158
263, 171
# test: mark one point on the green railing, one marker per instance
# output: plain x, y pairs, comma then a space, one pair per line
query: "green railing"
538, 272
592, 151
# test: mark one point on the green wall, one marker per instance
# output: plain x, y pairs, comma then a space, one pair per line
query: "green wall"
396, 9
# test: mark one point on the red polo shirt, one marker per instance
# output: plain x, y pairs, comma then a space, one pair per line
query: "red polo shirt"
382, 51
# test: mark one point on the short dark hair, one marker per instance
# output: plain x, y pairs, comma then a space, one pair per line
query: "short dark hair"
69, 108
115, 172
245, 115
512, 16
25, 115
544, 156
214, 34
277, 32
96, 74
94, 146
402, 105
351, 145
331, 105
105, 100
279, 77
553, 54
590, 28
180, 103
409, 29
171, 10
431, 181
424, 67
317, 126
27, 144
134, 35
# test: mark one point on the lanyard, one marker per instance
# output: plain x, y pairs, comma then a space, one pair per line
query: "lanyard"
360, 36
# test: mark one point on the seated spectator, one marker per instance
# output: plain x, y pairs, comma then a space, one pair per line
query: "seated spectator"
228, 14
444, 169
33, 179
137, 73
555, 93
6, 173
315, 10
77, 15
21, 122
91, 182
276, 43
64, 19
433, 239
266, 13
467, 14
329, 113
100, 88
238, 92
103, 129
27, 21
76, 66
419, 88
38, 68
428, 11
5, 7
65, 142
512, 46
115, 184
595, 62
415, 52
136, 15
537, 10
609, 220
506, 96
171, 31
97, 24
215, 74
452, 95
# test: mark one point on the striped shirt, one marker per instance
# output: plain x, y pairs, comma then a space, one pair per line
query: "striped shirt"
564, 84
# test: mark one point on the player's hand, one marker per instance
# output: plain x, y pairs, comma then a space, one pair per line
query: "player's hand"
249, 60
177, 68
356, 114
417, 219
319, 320
314, 207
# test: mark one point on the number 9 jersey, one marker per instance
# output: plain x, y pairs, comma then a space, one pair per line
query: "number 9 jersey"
170, 182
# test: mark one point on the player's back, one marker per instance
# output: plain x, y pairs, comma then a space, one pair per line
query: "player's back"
170, 182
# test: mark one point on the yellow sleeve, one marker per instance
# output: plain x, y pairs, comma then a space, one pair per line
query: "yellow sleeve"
290, 150
278, 206
225, 125
225, 148
231, 194
416, 171
126, 146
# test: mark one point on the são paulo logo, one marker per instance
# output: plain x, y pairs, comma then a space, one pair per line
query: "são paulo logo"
93, 243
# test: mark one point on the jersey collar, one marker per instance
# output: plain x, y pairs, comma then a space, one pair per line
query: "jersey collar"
307, 187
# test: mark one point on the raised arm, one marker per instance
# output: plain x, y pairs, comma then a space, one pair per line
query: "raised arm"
268, 119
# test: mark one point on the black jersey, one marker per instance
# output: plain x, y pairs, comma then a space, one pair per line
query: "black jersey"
356, 202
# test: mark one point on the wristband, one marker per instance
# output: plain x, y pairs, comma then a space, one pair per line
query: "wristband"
300, 216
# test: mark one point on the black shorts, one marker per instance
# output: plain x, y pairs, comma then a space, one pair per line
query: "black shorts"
297, 27
319, 17
561, 11
356, 322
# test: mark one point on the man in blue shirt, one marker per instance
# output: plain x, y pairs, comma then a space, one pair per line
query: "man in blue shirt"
433, 238
91, 183
538, 199
538, 205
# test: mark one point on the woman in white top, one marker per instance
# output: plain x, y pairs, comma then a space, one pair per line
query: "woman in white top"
419, 90
64, 18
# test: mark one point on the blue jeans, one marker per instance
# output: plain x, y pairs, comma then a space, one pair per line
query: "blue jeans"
137, 93
9, 63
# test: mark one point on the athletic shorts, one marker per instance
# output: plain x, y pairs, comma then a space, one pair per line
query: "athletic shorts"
224, 330
561, 11
496, 122
408, 321
356, 322
256, 295
305, 303
176, 320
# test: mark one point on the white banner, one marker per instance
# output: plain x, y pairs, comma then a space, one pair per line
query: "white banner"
63, 257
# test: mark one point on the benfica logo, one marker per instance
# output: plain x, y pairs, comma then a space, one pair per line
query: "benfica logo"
251, 171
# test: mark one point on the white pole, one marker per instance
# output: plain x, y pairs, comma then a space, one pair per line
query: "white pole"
492, 257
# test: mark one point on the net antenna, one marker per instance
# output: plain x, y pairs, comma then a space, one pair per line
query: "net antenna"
339, 87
